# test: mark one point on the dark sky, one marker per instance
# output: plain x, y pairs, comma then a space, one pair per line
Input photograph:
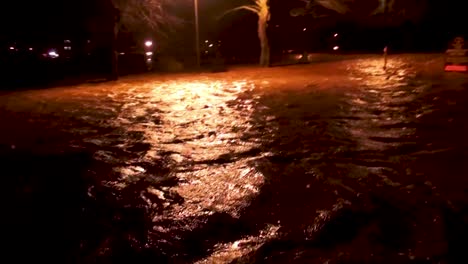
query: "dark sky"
58, 17
52, 15
47, 17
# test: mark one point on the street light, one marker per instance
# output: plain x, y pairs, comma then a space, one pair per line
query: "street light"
197, 33
149, 43
53, 54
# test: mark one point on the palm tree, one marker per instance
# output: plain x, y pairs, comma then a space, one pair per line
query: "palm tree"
262, 10
384, 6
311, 5
397, 11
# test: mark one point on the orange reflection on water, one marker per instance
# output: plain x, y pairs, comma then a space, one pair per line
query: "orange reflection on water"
198, 122
381, 103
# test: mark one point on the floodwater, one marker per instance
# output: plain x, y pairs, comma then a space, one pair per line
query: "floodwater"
339, 162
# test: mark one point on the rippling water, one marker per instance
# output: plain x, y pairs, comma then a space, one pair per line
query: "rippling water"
331, 162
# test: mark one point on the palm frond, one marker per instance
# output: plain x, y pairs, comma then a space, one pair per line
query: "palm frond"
252, 8
310, 6
335, 5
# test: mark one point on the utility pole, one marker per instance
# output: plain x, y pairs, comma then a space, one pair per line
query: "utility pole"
386, 37
197, 33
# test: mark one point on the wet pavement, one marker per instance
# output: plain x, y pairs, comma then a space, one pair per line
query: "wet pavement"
339, 162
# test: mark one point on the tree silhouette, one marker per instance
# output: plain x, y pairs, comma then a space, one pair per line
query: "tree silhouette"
262, 9
156, 17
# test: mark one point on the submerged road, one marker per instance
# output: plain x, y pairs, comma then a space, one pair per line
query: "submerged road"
338, 162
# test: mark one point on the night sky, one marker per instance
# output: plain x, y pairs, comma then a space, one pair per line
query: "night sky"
58, 17
49, 16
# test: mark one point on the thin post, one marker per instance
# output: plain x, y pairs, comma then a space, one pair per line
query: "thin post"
385, 57
386, 33
197, 33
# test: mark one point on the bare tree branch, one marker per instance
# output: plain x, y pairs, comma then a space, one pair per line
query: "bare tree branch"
149, 15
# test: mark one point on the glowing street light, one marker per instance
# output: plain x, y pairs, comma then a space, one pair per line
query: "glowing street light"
336, 35
53, 54
149, 43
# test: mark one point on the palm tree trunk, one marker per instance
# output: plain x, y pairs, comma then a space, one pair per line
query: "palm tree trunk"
264, 44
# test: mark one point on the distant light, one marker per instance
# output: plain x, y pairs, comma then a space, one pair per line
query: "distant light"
67, 48
211, 45
456, 68
149, 43
148, 59
67, 41
53, 54
206, 41
277, 26
30, 49
336, 35
304, 29
122, 53
12, 48
149, 53
88, 41
336, 48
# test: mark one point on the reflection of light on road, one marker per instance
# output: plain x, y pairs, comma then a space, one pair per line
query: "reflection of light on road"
130, 171
199, 124
374, 75
298, 56
229, 252
385, 93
